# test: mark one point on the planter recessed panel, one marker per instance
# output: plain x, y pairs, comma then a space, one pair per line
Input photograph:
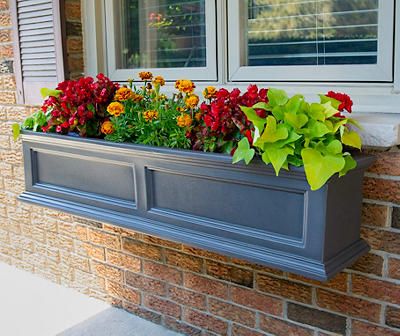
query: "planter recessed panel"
203, 200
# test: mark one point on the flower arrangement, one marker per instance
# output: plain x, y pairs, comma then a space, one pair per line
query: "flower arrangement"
283, 131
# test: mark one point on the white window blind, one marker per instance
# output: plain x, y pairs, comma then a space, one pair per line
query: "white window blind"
309, 32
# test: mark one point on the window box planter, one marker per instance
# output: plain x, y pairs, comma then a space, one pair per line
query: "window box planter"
203, 200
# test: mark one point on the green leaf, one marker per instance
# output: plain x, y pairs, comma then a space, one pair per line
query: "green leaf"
265, 158
352, 139
316, 112
243, 152
273, 132
278, 156
334, 147
350, 164
335, 103
293, 105
277, 97
329, 110
296, 120
295, 161
338, 124
354, 123
46, 92
262, 106
91, 108
251, 114
279, 112
16, 129
319, 168
317, 129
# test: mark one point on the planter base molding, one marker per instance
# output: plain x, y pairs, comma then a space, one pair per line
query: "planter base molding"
201, 199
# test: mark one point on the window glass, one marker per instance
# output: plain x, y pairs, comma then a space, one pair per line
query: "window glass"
161, 34
312, 32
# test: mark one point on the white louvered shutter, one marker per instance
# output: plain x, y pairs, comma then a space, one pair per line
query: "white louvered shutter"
38, 47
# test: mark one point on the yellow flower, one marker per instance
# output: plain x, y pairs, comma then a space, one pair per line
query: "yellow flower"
159, 80
184, 120
150, 115
209, 92
198, 116
162, 97
192, 101
145, 75
137, 97
115, 109
123, 94
185, 85
181, 109
107, 127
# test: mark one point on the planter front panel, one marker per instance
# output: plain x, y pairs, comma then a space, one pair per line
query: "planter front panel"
201, 199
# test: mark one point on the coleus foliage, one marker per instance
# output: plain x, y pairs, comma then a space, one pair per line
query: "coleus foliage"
295, 132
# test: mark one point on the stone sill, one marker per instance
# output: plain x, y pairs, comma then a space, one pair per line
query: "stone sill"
379, 130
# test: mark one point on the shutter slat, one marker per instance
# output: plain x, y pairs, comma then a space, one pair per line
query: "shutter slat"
35, 32
32, 51
35, 74
38, 55
33, 26
26, 20
38, 44
37, 61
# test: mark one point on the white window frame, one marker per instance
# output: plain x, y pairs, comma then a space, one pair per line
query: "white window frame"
209, 72
368, 97
380, 72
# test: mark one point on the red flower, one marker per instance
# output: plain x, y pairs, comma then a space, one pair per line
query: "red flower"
247, 134
346, 102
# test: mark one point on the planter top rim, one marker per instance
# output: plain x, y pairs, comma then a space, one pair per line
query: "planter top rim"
363, 160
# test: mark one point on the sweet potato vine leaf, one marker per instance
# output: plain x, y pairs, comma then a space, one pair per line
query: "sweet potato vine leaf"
243, 152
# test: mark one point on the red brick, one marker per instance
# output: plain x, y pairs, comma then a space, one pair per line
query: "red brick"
256, 267
142, 312
120, 291
284, 288
108, 272
205, 321
141, 249
203, 253
4, 5
5, 35
104, 239
387, 163
163, 272
374, 214
393, 317
73, 11
381, 189
282, 328
123, 260
240, 276
255, 300
90, 250
146, 284
205, 285
6, 51
348, 305
382, 240
187, 297
5, 18
232, 312
181, 327
376, 289
339, 282
162, 242
369, 263
238, 330
163, 306
394, 268
365, 329
184, 261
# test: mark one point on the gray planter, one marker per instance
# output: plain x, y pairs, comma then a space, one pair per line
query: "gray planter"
203, 200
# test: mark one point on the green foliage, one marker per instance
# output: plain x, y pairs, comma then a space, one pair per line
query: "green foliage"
298, 133
46, 92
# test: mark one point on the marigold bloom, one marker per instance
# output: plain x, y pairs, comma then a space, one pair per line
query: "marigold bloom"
192, 101
210, 92
145, 75
198, 116
150, 115
185, 85
181, 109
159, 80
115, 109
107, 127
184, 120
123, 94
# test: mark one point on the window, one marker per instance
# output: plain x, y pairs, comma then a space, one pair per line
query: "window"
164, 35
307, 46
302, 40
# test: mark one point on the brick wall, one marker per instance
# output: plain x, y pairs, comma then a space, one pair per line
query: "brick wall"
190, 290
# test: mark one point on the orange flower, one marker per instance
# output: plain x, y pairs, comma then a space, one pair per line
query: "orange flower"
145, 75
184, 120
107, 127
210, 92
123, 94
150, 115
159, 80
181, 109
115, 109
198, 116
185, 85
192, 101
137, 97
